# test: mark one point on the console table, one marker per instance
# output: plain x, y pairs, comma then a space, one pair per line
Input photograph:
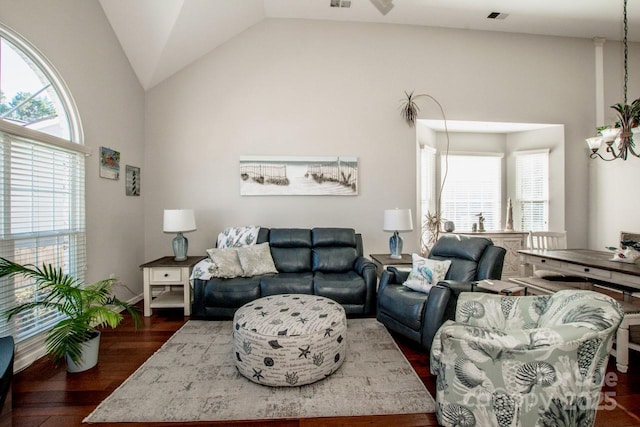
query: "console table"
598, 266
511, 241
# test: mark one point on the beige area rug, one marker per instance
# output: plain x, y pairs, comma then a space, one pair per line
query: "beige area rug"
192, 378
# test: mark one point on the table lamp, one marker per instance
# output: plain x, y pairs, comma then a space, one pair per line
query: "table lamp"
179, 221
397, 220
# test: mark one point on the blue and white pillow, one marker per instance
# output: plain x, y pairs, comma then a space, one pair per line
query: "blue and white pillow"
425, 273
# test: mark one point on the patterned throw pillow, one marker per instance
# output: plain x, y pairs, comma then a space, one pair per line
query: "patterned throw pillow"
256, 260
226, 263
425, 273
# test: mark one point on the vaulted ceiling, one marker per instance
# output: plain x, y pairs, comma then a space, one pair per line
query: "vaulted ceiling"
160, 37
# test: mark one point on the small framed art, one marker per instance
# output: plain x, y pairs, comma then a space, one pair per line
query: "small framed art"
132, 180
109, 163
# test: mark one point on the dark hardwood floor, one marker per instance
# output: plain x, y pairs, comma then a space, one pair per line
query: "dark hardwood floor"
44, 395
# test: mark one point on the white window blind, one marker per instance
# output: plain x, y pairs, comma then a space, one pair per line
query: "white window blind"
473, 186
43, 221
532, 189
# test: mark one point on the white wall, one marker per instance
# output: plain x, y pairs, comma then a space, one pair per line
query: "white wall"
614, 204
77, 39
299, 87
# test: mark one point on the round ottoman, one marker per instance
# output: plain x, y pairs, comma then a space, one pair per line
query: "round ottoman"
290, 339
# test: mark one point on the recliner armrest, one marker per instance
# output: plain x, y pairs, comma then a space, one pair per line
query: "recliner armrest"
437, 310
362, 263
457, 286
396, 276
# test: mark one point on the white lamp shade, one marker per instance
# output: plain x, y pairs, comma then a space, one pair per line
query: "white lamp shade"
594, 143
179, 220
398, 220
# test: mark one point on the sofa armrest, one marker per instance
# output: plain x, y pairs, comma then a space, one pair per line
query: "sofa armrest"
198, 308
367, 269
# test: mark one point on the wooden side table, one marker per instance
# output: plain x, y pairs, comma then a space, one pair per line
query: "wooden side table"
382, 261
502, 287
168, 273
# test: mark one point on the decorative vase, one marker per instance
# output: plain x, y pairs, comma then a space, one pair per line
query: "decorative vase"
395, 246
89, 357
449, 226
509, 223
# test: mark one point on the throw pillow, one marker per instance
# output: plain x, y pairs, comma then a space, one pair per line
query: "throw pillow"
425, 273
226, 263
628, 255
256, 260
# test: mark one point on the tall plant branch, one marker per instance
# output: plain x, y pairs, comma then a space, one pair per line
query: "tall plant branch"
409, 111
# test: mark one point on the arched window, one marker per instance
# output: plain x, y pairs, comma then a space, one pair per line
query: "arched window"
42, 206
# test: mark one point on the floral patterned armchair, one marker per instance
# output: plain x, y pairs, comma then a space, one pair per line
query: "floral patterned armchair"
524, 361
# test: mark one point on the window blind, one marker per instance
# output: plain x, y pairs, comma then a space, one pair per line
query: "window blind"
42, 221
473, 186
532, 189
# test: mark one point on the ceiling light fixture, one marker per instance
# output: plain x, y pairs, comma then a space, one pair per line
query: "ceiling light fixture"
384, 6
628, 119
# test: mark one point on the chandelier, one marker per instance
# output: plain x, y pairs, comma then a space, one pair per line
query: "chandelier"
619, 138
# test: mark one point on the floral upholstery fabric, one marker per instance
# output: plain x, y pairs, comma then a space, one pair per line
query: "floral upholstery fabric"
524, 361
233, 237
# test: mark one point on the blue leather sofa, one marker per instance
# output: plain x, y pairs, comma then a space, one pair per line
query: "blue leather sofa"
418, 315
319, 261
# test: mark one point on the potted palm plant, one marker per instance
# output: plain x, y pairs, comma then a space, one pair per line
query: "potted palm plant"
85, 308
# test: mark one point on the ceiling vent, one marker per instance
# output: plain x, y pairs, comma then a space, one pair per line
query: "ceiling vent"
340, 3
497, 15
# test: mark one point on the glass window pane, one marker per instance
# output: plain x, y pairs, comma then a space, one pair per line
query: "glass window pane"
28, 97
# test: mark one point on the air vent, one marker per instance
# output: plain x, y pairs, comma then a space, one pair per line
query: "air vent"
340, 3
497, 15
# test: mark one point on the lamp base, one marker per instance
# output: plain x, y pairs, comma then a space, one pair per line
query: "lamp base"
395, 246
180, 246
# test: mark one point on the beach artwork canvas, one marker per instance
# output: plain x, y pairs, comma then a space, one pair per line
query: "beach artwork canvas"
298, 175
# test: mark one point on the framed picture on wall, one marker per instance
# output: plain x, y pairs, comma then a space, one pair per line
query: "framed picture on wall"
132, 183
109, 163
298, 175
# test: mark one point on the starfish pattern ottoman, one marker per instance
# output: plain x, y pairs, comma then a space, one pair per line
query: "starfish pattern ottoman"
290, 339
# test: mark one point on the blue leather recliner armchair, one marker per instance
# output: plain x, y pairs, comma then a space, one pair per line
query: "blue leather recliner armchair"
418, 315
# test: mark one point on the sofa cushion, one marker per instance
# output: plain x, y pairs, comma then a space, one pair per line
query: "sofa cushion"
344, 288
286, 283
334, 259
231, 292
256, 260
292, 260
328, 237
290, 238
